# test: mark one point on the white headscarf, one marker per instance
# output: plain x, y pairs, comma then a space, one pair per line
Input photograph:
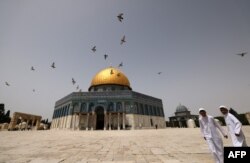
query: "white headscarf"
202, 109
223, 106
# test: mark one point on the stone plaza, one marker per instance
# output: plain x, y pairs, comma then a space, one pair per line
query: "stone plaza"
170, 145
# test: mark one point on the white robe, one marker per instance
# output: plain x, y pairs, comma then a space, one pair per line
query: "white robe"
234, 127
208, 127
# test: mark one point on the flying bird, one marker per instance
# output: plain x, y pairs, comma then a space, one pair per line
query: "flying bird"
80, 90
120, 65
111, 72
94, 49
32, 68
120, 17
6, 83
242, 54
33, 90
123, 40
73, 81
105, 56
53, 65
159, 73
77, 87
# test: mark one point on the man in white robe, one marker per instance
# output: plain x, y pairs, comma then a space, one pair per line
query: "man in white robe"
209, 129
234, 128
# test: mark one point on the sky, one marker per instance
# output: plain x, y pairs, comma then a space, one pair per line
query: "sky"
193, 43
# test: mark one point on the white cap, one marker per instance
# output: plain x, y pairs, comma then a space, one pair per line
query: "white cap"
201, 109
223, 106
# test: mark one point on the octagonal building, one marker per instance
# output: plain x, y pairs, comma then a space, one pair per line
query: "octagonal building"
109, 104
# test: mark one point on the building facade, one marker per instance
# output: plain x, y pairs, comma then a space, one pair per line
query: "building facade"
24, 121
109, 104
183, 118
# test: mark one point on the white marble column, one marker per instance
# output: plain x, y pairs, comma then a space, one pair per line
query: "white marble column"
118, 121
87, 124
109, 121
78, 121
123, 121
92, 123
105, 119
123, 115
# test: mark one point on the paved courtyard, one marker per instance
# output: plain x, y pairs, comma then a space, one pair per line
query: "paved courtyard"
171, 145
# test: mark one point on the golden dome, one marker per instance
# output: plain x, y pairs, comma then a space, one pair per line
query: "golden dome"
108, 76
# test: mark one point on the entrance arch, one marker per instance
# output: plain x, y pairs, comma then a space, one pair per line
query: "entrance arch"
99, 118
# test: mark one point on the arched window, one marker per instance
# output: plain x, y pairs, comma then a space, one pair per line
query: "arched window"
141, 109
154, 111
150, 110
91, 107
127, 107
56, 116
136, 108
146, 109
68, 110
157, 111
111, 107
76, 108
64, 111
83, 108
162, 112
119, 107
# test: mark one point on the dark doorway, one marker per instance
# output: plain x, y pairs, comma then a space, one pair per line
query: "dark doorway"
99, 118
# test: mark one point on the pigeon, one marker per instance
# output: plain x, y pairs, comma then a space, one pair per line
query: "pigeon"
53, 65
80, 90
6, 83
120, 65
105, 56
73, 81
33, 90
77, 87
159, 73
94, 49
111, 72
120, 17
119, 74
32, 68
123, 40
242, 54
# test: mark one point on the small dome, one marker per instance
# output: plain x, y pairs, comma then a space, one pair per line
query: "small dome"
110, 76
181, 108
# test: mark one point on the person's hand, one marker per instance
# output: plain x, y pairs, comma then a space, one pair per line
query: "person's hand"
205, 138
226, 136
237, 135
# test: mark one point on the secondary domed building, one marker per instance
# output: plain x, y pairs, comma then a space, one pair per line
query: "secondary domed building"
109, 104
183, 118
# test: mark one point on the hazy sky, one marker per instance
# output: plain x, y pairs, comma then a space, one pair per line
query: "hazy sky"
192, 42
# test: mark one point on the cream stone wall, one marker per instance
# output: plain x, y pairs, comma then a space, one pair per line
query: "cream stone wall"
88, 122
143, 121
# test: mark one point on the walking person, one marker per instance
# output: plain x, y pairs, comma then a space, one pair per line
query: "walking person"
234, 128
209, 129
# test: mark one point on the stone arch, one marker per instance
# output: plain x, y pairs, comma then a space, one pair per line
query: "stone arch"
111, 107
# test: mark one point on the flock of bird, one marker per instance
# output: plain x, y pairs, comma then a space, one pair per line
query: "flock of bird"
120, 18
123, 40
